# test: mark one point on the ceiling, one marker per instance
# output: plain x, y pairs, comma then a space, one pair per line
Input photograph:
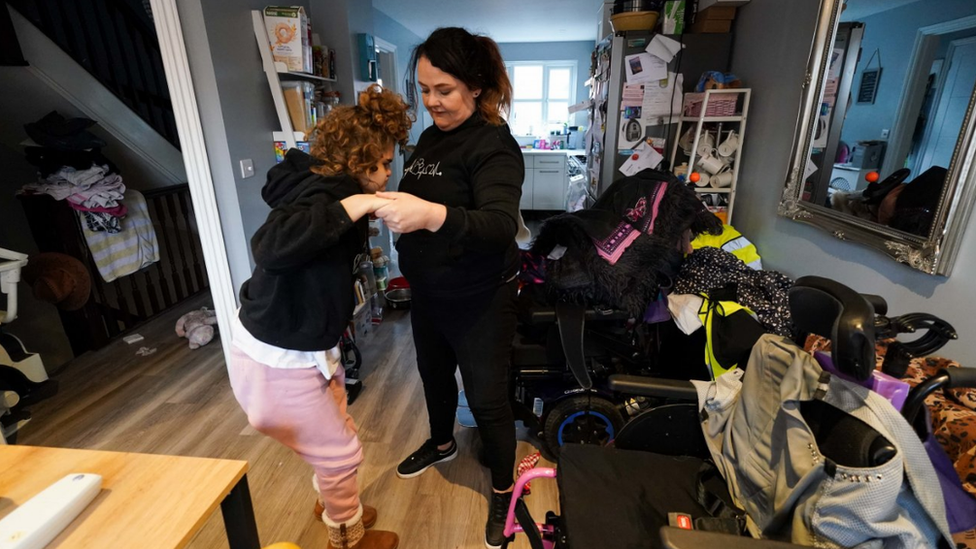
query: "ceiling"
859, 9
503, 20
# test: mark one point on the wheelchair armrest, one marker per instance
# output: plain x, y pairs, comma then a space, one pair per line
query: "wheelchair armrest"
676, 538
543, 315
653, 387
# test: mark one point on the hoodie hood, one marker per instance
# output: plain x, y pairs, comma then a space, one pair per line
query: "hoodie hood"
286, 176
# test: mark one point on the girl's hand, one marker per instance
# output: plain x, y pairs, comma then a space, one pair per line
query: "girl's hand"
359, 205
374, 203
406, 213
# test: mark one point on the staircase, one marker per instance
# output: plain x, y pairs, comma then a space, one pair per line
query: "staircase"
115, 41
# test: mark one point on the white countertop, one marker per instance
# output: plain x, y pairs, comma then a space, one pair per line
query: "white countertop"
568, 152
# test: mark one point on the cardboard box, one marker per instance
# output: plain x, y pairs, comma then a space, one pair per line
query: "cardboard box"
298, 99
705, 4
281, 149
288, 32
673, 21
705, 26
716, 13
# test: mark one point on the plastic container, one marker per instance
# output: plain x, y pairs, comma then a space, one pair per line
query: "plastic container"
382, 274
366, 270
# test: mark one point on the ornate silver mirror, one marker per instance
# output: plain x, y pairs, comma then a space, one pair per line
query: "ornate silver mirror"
884, 148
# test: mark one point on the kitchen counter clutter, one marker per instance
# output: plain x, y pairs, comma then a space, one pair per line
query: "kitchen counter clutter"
546, 180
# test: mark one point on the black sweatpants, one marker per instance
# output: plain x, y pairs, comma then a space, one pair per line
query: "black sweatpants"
474, 334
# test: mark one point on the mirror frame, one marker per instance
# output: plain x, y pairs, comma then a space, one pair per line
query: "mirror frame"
934, 254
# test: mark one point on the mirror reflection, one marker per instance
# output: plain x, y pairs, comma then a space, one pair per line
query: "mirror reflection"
889, 124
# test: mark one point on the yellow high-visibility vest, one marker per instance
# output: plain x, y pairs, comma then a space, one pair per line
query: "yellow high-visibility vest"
733, 242
707, 316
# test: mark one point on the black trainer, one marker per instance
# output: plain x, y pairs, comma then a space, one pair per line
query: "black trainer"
422, 459
497, 515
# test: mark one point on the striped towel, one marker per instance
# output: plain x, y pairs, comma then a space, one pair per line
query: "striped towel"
135, 247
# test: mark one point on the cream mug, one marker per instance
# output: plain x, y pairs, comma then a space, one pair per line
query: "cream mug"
728, 147
713, 164
703, 179
706, 144
722, 180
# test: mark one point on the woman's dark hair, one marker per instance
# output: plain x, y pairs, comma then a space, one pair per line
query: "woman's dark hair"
473, 59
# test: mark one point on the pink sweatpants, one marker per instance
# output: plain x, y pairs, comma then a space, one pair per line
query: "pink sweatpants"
307, 413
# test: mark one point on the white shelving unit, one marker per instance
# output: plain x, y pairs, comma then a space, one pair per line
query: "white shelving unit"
276, 72
738, 120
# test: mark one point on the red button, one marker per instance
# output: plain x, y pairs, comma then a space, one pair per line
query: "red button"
636, 156
684, 522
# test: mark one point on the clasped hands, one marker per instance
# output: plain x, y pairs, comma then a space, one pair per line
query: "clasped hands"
405, 213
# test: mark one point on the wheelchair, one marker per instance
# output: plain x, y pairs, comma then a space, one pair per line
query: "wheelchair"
547, 394
657, 487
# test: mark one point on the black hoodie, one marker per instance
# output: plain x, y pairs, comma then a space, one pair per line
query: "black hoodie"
300, 295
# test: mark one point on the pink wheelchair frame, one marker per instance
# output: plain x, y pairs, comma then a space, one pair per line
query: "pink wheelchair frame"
511, 525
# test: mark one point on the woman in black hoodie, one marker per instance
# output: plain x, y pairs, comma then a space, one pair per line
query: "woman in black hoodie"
458, 212
285, 368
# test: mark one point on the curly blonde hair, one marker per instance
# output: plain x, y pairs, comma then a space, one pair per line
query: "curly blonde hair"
353, 139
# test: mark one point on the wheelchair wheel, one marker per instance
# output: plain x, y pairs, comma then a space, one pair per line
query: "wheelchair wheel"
581, 419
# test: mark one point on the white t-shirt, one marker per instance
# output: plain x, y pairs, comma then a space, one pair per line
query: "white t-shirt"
286, 359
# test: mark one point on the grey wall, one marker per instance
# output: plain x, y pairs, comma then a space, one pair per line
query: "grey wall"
237, 115
332, 21
37, 323
556, 51
786, 28
892, 33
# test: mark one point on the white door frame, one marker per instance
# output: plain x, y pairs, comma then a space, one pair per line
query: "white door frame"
939, 114
926, 46
180, 83
391, 49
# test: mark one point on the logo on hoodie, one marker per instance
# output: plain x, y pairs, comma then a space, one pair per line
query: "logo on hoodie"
421, 168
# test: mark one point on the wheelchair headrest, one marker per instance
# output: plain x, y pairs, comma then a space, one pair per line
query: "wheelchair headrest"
828, 308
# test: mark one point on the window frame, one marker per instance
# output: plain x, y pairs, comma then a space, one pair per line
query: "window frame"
547, 66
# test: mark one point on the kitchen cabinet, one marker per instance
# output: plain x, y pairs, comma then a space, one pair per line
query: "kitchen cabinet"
546, 180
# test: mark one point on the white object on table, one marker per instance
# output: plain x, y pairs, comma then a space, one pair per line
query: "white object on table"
41, 518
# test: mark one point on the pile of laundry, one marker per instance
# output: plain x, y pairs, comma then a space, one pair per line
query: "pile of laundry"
93, 191
72, 168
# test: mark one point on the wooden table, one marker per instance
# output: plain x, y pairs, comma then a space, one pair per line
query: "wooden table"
147, 501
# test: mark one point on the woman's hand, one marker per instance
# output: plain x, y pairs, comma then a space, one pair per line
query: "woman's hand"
406, 213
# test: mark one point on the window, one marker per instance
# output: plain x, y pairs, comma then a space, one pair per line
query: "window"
542, 94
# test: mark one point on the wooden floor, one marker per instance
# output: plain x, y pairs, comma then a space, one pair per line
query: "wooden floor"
177, 401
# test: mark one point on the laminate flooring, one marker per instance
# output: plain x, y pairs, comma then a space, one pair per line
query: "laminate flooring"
178, 402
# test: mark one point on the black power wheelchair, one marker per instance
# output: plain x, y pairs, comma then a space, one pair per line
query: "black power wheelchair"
621, 496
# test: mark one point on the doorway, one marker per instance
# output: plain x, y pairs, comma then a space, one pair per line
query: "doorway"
950, 104
388, 78
904, 136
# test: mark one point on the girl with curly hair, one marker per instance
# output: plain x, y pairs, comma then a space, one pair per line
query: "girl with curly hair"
285, 366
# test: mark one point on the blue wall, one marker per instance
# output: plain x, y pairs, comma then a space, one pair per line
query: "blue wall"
893, 33
556, 51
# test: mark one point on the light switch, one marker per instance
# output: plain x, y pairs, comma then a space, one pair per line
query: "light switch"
247, 168
884, 133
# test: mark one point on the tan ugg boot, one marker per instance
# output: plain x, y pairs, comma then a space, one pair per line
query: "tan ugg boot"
372, 539
353, 535
369, 514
